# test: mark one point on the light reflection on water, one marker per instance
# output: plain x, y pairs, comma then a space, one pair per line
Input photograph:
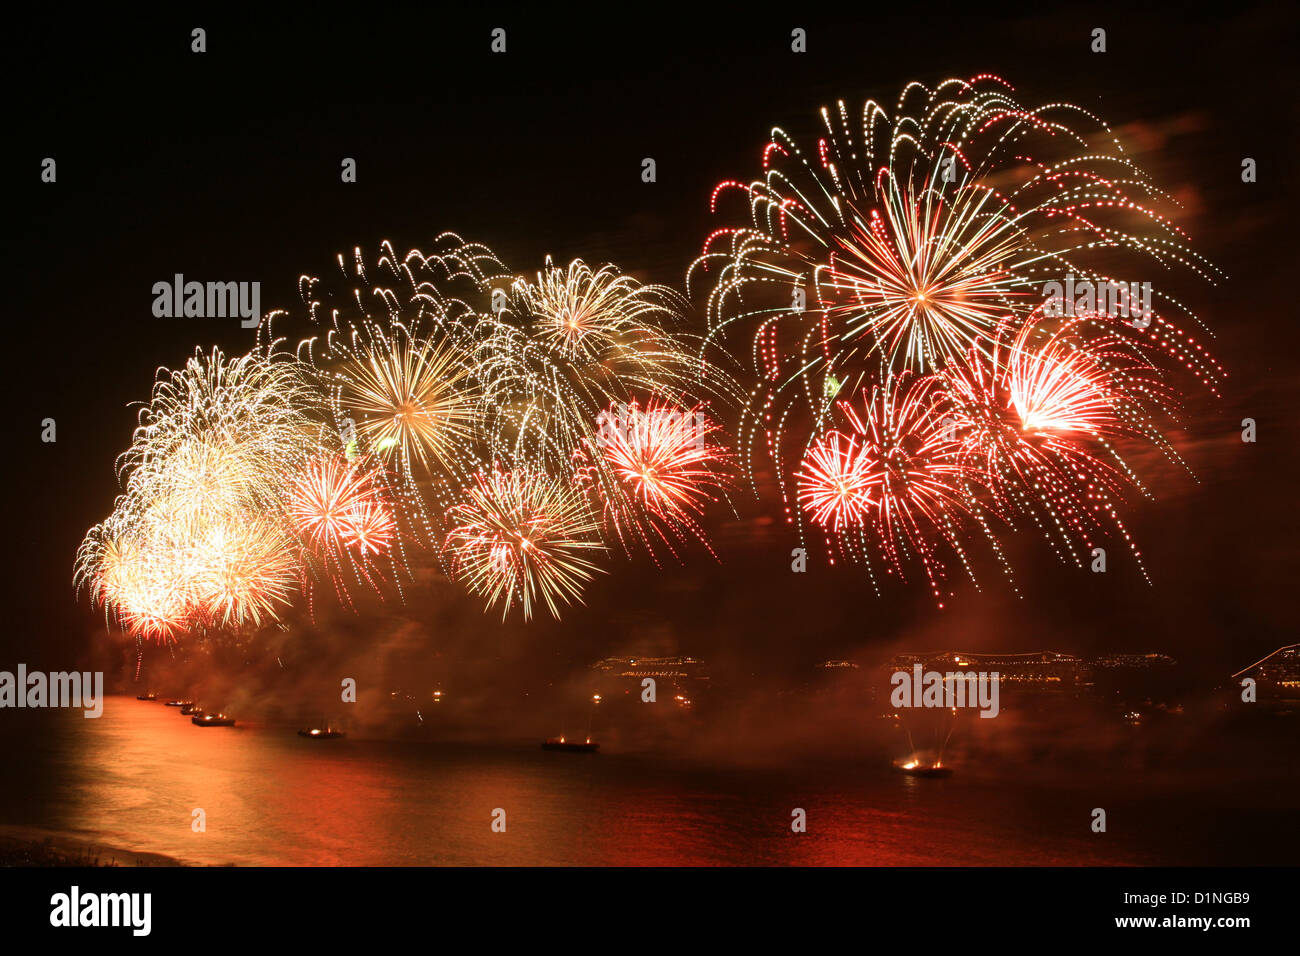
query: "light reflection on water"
132, 778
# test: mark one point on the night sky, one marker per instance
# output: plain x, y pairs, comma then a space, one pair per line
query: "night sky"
225, 166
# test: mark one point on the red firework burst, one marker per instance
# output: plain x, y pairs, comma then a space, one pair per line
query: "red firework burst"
664, 464
835, 482
663, 454
1041, 420
894, 474
337, 507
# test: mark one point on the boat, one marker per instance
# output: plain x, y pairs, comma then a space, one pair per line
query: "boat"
191, 710
571, 746
212, 720
179, 703
916, 768
321, 733
146, 696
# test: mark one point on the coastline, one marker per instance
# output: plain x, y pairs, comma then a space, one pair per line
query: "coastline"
35, 847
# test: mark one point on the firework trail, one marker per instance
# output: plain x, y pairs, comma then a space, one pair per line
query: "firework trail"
915, 250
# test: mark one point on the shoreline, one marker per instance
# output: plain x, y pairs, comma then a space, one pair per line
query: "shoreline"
36, 847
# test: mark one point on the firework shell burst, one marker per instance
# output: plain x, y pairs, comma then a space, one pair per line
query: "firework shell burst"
576, 341
397, 348
911, 250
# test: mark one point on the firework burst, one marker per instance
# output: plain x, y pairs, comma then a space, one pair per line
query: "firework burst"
893, 480
399, 349
1044, 422
337, 507
667, 465
412, 398
520, 538
835, 482
574, 341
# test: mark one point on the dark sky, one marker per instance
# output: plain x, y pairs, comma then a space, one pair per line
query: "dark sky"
226, 165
